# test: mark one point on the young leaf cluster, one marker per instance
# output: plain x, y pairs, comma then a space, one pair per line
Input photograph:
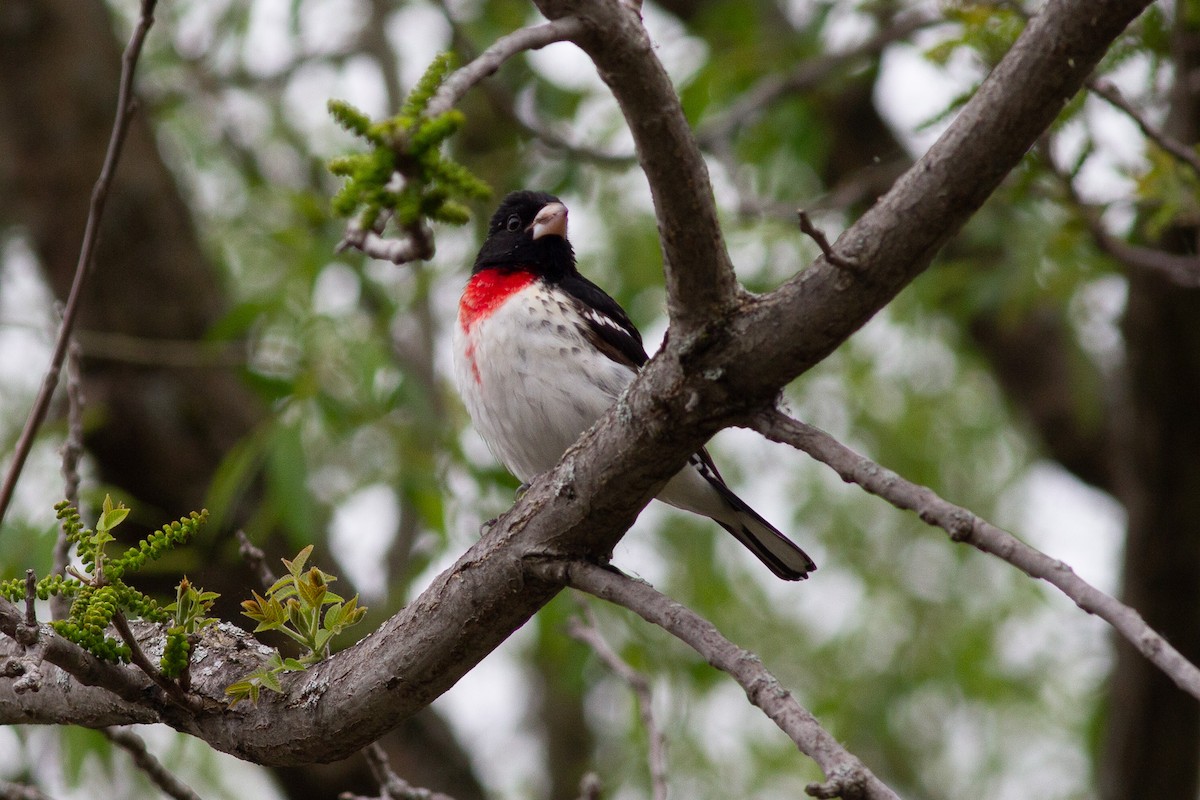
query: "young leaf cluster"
99, 592
408, 145
301, 606
188, 619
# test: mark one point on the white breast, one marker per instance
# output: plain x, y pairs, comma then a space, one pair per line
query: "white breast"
531, 381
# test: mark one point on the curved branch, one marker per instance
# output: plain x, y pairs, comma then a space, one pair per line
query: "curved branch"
699, 275
964, 526
455, 87
1177, 149
588, 633
150, 766
417, 244
848, 777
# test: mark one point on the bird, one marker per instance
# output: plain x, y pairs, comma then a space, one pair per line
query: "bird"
541, 353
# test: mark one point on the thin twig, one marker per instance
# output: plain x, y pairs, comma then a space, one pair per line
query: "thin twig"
589, 633
416, 245
28, 667
391, 785
455, 87
804, 76
72, 449
72, 452
846, 776
126, 106
144, 760
1179, 150
30, 605
524, 114
21, 791
965, 526
256, 559
817, 235
1181, 270
173, 691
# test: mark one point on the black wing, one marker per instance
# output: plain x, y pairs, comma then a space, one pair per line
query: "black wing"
608, 326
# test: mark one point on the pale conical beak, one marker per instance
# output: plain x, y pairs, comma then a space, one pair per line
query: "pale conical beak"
551, 220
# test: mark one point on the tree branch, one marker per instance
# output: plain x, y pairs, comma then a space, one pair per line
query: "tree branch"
699, 275
417, 244
126, 106
1174, 147
965, 526
804, 76
848, 777
20, 791
150, 766
1181, 270
455, 87
589, 634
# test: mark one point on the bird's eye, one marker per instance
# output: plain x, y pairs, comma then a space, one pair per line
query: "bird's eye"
514, 223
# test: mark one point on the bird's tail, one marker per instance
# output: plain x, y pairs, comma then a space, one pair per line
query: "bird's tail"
781, 555
700, 489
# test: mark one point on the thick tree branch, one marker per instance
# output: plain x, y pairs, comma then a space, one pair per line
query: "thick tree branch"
847, 776
127, 684
964, 526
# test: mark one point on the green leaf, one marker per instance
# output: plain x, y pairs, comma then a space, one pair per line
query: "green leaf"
296, 565
111, 519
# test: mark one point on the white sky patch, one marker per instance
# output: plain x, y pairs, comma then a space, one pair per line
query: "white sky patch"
269, 45
194, 31
336, 290
26, 324
361, 531
1096, 311
418, 32
912, 91
1071, 521
567, 67
487, 708
331, 26
682, 55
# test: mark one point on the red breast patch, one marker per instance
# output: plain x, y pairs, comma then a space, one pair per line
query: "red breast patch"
487, 291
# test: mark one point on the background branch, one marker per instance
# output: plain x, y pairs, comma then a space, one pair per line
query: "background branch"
846, 775
126, 106
965, 526
588, 632
150, 766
